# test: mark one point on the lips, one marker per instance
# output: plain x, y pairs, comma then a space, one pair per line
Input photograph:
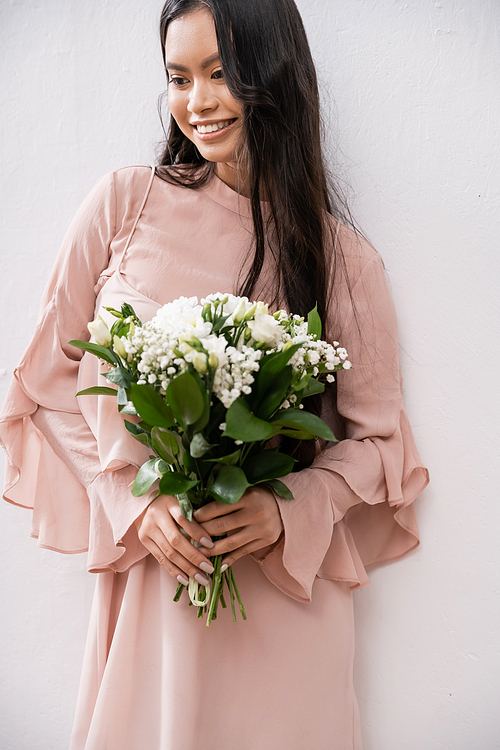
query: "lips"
207, 129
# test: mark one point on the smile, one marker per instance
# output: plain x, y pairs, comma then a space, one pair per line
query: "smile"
213, 127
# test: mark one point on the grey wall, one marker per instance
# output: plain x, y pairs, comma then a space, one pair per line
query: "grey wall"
412, 117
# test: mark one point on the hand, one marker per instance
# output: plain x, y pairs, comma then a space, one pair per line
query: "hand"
252, 523
159, 529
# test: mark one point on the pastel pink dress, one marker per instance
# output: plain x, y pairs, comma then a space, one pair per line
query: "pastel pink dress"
154, 676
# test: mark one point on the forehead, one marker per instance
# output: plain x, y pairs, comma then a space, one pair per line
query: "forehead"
191, 38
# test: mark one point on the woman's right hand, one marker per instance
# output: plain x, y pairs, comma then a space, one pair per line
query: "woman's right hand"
159, 529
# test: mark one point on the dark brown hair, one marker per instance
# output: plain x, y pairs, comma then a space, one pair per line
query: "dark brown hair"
269, 69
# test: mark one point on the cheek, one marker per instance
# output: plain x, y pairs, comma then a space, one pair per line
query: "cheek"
178, 110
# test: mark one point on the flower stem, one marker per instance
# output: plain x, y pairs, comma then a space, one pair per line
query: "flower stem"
178, 593
242, 608
229, 585
216, 590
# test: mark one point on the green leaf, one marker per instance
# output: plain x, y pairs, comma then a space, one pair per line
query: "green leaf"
113, 312
276, 393
189, 462
314, 322
301, 419
98, 390
241, 424
145, 478
119, 376
280, 488
128, 409
219, 323
199, 446
140, 435
202, 422
151, 406
134, 428
143, 439
164, 444
270, 366
267, 465
230, 460
122, 397
186, 506
162, 467
175, 483
229, 485
185, 398
312, 388
99, 351
297, 434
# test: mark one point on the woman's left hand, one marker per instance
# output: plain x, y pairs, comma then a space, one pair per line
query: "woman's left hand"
252, 523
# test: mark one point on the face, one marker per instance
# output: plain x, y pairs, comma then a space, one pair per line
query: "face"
198, 97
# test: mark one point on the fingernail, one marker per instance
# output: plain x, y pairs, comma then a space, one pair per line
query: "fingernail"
224, 567
206, 542
201, 579
183, 580
207, 567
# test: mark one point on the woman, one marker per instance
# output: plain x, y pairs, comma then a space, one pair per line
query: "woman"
238, 203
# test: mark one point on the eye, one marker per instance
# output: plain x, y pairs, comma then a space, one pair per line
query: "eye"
218, 75
177, 80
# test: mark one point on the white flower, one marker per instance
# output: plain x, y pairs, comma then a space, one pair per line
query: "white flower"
330, 378
216, 345
119, 347
99, 331
251, 311
240, 312
200, 362
347, 365
262, 309
266, 329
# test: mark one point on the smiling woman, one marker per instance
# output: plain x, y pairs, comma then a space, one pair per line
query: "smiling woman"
239, 202
198, 97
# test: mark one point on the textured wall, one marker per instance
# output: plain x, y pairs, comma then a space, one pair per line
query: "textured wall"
412, 116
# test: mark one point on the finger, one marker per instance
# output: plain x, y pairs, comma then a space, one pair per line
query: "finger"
235, 541
172, 559
246, 549
160, 528
227, 524
193, 529
214, 509
172, 569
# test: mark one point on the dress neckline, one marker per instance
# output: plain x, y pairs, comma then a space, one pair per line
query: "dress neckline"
225, 196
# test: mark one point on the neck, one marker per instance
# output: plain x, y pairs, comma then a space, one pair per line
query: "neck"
234, 177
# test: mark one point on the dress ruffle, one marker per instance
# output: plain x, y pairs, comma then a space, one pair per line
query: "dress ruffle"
37, 478
77, 486
340, 523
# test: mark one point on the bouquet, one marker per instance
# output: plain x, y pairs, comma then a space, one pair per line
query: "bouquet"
210, 385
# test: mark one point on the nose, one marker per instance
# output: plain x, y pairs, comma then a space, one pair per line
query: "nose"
201, 98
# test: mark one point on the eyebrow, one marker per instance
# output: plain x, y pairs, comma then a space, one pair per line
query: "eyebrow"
204, 63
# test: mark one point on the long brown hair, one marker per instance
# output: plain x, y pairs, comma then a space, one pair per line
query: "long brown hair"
269, 69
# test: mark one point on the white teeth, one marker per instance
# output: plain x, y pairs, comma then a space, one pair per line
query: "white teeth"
212, 128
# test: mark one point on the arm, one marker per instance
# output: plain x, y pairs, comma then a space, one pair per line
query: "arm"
353, 506
81, 499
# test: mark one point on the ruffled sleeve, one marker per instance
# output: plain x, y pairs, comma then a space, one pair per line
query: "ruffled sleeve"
53, 464
353, 507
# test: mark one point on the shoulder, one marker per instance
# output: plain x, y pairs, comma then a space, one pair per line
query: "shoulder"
131, 181
118, 187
